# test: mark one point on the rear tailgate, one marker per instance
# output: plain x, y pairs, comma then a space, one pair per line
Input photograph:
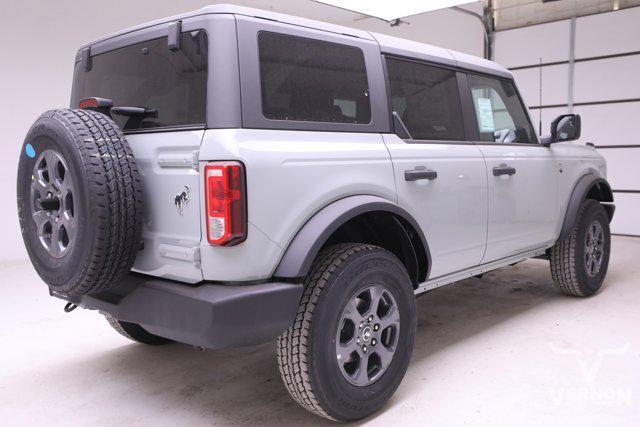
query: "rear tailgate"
170, 180
171, 85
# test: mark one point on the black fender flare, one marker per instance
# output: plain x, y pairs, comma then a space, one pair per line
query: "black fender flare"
303, 249
586, 185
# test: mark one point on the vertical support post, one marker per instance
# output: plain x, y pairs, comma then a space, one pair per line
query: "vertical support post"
489, 28
572, 63
486, 19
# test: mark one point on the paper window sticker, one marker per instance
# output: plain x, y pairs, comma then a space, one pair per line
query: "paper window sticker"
485, 115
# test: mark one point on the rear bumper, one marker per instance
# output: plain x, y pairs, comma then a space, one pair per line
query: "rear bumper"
208, 315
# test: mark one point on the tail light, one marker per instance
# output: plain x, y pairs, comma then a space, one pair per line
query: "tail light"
226, 203
102, 105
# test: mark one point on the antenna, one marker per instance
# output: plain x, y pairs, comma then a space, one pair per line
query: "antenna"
540, 103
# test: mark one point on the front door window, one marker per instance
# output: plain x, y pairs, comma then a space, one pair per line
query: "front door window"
500, 113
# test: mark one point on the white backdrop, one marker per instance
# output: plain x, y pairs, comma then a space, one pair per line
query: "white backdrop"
40, 38
602, 78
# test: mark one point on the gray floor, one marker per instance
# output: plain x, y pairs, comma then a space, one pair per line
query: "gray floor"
500, 350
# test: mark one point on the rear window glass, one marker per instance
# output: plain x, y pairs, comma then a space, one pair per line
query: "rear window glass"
427, 100
148, 74
311, 80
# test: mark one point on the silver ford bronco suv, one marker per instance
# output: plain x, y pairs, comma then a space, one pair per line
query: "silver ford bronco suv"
231, 176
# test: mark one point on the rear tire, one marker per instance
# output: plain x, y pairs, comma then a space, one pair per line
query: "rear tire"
349, 281
580, 262
135, 332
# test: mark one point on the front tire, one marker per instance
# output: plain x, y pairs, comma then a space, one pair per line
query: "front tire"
580, 262
352, 338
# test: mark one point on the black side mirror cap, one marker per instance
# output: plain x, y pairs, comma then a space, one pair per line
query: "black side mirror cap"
566, 127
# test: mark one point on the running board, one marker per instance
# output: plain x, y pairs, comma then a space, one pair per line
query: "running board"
474, 271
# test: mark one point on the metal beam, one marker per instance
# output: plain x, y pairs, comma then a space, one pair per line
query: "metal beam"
486, 19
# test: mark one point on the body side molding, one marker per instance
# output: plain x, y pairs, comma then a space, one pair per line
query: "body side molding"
299, 255
588, 185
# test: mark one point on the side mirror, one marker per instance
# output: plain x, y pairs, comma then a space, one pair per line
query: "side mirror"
566, 128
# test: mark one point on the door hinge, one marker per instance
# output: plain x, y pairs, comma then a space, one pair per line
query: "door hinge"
181, 253
195, 160
179, 160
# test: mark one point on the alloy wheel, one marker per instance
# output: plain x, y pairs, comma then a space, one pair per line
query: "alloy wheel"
594, 248
367, 335
52, 203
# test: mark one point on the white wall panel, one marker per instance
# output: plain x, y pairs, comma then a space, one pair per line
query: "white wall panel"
623, 163
555, 80
602, 124
623, 171
607, 79
611, 124
525, 46
444, 28
608, 33
547, 115
625, 220
594, 81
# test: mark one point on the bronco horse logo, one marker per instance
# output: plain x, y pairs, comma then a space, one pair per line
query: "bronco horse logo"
182, 199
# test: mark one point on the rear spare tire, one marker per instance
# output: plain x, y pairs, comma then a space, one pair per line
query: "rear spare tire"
79, 201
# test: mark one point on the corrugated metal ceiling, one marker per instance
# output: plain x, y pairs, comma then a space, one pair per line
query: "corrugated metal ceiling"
521, 13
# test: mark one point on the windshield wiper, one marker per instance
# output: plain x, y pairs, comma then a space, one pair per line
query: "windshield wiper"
134, 111
105, 105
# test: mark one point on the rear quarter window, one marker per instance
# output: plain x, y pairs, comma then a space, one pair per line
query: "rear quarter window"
311, 80
148, 74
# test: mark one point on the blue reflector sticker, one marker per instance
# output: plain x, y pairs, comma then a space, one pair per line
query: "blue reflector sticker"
31, 152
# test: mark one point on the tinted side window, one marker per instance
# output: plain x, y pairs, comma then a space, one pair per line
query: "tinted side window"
427, 100
148, 74
310, 80
501, 115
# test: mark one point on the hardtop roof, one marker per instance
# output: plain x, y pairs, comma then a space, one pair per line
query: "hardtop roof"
388, 44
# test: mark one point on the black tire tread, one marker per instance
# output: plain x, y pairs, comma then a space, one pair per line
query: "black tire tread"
116, 197
292, 345
562, 258
135, 332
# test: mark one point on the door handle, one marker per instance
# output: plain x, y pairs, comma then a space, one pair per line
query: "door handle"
504, 170
416, 174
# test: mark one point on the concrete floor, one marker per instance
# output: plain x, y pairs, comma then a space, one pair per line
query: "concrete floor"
504, 349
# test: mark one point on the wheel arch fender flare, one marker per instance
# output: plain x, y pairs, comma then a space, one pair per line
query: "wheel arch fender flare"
588, 186
305, 246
